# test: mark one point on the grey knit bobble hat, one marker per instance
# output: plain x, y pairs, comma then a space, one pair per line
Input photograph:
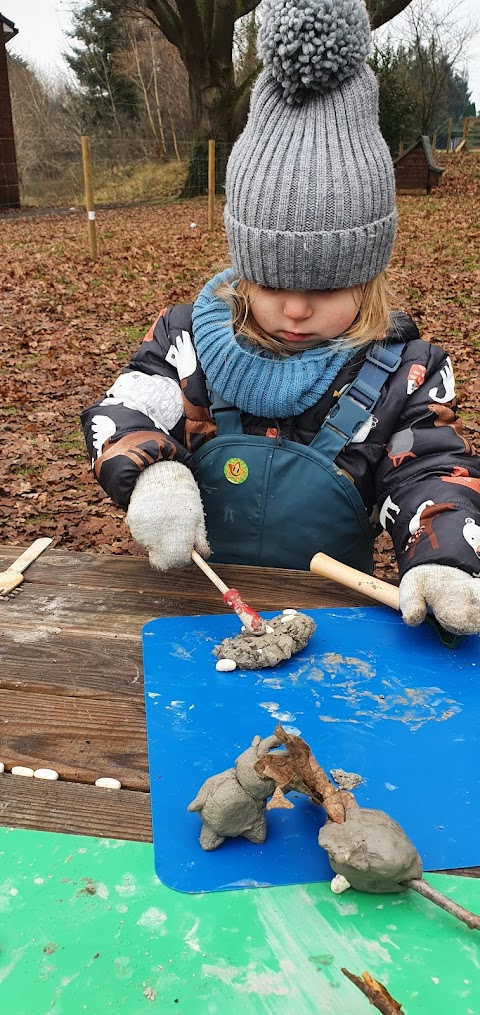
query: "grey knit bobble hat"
310, 184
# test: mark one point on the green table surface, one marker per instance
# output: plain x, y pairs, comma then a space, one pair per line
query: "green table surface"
85, 926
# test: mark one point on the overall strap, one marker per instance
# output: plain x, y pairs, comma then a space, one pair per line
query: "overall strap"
357, 402
225, 415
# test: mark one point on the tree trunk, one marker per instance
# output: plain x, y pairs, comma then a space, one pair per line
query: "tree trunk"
213, 102
202, 31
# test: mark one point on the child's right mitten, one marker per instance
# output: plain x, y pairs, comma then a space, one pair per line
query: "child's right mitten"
166, 515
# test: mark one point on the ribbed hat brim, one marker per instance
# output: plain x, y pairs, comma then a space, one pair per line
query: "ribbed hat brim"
333, 259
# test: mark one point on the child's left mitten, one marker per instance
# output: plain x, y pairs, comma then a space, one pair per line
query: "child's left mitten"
452, 594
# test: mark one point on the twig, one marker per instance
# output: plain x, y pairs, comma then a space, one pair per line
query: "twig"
424, 888
376, 993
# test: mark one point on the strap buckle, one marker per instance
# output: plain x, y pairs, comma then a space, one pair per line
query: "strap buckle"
383, 357
346, 416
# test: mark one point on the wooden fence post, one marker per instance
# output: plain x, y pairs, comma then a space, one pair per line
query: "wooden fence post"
211, 186
466, 123
89, 202
449, 134
434, 143
401, 149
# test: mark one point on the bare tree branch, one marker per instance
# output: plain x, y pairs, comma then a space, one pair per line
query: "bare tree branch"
167, 20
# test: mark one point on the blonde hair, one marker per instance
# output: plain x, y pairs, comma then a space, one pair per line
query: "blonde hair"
371, 323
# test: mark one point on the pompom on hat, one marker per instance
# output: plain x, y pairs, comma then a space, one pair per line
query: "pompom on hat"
310, 184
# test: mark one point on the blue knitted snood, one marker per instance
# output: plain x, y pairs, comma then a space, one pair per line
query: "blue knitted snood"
252, 379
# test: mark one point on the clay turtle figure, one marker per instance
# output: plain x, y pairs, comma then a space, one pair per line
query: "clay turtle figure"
233, 802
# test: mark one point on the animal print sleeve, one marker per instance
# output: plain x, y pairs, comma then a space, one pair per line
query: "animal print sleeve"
428, 480
140, 420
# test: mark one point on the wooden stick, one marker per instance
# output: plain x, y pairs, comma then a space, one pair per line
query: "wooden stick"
210, 573
429, 892
376, 993
382, 592
29, 555
232, 598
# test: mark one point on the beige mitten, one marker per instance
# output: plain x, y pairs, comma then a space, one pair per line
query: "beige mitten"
452, 594
166, 515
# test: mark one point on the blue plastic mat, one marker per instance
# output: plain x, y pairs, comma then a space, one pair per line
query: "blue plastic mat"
367, 694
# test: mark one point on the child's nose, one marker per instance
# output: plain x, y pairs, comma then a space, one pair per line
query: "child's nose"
297, 307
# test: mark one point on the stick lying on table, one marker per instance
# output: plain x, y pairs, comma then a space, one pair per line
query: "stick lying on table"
325, 566
13, 576
250, 619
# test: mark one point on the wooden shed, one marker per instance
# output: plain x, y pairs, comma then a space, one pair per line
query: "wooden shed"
9, 188
416, 168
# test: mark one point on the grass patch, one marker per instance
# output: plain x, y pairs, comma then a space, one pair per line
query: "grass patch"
148, 180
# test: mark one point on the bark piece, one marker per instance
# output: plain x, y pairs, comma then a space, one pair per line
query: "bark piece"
297, 770
279, 801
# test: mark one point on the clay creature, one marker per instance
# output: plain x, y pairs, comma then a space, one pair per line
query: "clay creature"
286, 635
365, 847
233, 802
371, 851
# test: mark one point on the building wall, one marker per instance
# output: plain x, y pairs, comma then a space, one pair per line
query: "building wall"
9, 188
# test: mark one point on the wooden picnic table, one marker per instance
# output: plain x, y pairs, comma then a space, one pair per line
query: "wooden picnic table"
89, 922
71, 683
71, 678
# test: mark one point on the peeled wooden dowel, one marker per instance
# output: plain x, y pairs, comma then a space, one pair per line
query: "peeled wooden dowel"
232, 598
325, 566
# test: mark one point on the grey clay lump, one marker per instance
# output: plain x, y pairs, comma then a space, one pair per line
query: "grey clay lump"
233, 802
371, 850
289, 634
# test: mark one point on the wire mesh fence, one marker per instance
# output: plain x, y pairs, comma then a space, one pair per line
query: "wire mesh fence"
122, 173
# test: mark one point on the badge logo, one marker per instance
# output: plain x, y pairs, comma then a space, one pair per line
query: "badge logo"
235, 470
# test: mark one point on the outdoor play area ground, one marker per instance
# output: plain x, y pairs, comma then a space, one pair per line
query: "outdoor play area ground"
68, 326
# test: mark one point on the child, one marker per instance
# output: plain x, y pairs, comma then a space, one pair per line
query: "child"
289, 411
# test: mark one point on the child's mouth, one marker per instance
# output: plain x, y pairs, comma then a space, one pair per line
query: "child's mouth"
294, 336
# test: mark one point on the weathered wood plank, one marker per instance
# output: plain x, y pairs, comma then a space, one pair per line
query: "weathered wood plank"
108, 611
267, 588
76, 809
81, 738
77, 663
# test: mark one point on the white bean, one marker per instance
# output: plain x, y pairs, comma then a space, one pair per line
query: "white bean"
21, 770
226, 665
45, 773
106, 783
289, 613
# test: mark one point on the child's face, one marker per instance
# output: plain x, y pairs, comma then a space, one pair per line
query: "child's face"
303, 319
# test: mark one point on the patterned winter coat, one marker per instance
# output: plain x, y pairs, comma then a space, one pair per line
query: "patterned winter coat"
411, 465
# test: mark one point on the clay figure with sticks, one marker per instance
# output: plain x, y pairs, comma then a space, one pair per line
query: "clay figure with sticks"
365, 846
233, 802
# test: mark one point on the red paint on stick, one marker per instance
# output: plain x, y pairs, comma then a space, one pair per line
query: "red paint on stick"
233, 599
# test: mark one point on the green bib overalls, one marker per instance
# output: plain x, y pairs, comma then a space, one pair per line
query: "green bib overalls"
275, 503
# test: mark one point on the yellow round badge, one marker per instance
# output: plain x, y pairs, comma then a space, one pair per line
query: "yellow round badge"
235, 470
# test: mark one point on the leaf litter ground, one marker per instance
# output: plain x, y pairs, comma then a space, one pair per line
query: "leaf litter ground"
69, 325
